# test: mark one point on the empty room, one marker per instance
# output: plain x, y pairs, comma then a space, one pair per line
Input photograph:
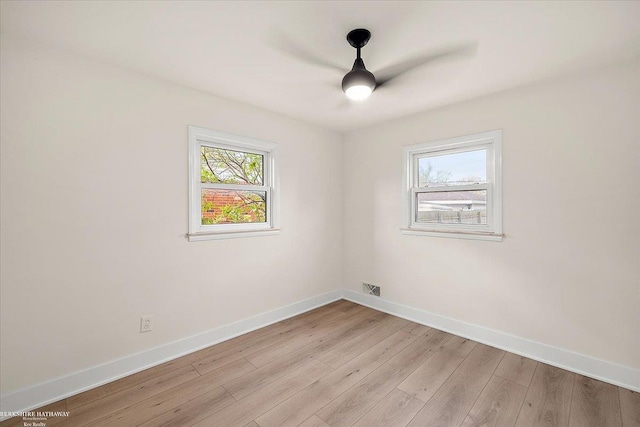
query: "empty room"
319, 213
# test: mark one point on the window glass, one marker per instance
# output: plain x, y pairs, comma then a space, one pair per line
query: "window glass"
233, 207
452, 207
467, 167
230, 167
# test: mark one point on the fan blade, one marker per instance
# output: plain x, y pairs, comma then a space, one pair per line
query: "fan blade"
286, 45
386, 74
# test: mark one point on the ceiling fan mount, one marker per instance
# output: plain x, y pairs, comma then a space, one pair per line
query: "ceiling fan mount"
358, 38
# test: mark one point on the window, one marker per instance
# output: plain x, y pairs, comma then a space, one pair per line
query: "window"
232, 186
453, 187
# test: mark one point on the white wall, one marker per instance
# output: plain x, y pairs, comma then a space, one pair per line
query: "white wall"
94, 216
568, 272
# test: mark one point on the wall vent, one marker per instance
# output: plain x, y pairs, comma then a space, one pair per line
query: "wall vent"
371, 289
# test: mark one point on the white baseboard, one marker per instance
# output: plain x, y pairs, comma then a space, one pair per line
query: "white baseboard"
77, 382
602, 370
69, 385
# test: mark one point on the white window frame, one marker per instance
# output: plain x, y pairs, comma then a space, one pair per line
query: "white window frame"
199, 137
492, 142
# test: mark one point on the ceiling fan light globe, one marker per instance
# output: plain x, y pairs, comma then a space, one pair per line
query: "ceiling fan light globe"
358, 84
358, 93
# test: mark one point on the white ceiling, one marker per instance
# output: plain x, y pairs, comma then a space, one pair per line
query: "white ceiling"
235, 49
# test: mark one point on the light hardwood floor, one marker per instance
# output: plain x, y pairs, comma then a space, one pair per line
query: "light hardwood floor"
347, 365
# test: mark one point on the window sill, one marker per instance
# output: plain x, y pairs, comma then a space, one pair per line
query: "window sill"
217, 235
453, 234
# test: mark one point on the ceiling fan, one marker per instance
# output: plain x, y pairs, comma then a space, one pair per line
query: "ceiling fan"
359, 83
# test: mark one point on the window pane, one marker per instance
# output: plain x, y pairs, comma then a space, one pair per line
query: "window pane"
233, 207
453, 169
452, 207
230, 167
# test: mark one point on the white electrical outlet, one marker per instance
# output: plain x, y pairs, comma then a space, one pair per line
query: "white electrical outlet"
146, 324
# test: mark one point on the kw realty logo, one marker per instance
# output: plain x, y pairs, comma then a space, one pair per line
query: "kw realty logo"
35, 418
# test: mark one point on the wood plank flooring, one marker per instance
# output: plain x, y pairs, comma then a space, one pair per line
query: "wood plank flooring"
347, 365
